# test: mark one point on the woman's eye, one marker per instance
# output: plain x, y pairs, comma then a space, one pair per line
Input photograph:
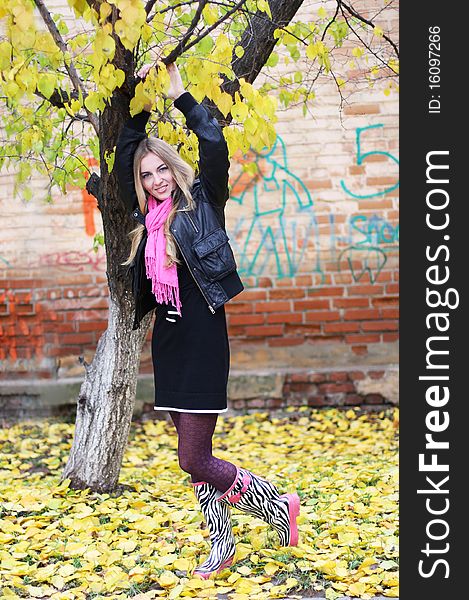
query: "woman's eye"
143, 175
163, 168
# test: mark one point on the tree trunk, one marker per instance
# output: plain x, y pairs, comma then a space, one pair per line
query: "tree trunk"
105, 404
107, 396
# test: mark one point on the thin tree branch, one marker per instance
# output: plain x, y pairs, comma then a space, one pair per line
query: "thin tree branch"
354, 13
180, 48
330, 22
151, 3
75, 78
378, 58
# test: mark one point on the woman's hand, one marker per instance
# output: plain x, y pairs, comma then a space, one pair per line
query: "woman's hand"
176, 87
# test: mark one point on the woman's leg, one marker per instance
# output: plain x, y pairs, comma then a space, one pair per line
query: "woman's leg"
209, 475
175, 418
195, 432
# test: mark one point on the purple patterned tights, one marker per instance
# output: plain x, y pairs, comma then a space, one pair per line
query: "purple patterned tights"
195, 433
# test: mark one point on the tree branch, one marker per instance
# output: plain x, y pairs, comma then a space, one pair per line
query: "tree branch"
354, 13
180, 48
185, 38
75, 78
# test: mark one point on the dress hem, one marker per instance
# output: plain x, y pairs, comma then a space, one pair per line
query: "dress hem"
188, 410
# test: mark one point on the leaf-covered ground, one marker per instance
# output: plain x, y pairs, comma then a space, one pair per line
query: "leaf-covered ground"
59, 543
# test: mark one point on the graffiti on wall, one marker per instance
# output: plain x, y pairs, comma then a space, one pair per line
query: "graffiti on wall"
279, 237
269, 205
362, 156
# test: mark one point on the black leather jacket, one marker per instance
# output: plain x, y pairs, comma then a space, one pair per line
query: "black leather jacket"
200, 234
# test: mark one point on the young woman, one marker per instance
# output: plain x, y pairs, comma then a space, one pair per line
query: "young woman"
184, 267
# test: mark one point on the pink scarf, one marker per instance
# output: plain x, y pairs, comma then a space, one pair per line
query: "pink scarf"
164, 280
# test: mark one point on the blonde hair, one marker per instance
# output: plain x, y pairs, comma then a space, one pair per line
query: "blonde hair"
183, 175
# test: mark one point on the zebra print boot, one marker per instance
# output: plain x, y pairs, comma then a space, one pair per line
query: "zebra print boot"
260, 498
218, 519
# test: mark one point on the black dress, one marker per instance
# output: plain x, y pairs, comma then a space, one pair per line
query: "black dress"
190, 353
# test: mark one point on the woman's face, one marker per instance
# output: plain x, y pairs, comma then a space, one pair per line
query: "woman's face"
155, 176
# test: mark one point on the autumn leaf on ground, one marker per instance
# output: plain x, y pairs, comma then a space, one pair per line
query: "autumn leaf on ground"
60, 543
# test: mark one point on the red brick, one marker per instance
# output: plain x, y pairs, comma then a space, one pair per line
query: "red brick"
384, 276
317, 377
375, 205
63, 351
385, 301
264, 330
92, 326
325, 339
334, 388
338, 376
303, 280
371, 290
265, 282
311, 304
326, 291
302, 329
350, 302
275, 403
343, 278
317, 184
362, 109
289, 317
379, 325
390, 313
64, 328
247, 295
297, 377
390, 337
272, 307
287, 293
236, 331
285, 282
246, 319
302, 386
319, 316
356, 375
392, 288
360, 350
381, 180
342, 327
358, 315
238, 307
376, 374
317, 401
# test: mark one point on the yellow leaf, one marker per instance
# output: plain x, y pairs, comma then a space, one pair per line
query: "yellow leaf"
167, 579
270, 568
356, 589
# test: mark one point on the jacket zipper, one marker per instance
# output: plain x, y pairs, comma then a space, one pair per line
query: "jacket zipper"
192, 222
212, 310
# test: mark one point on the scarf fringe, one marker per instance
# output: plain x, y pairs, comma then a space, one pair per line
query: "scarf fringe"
165, 293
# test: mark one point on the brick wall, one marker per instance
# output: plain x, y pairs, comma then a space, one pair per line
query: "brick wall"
315, 234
